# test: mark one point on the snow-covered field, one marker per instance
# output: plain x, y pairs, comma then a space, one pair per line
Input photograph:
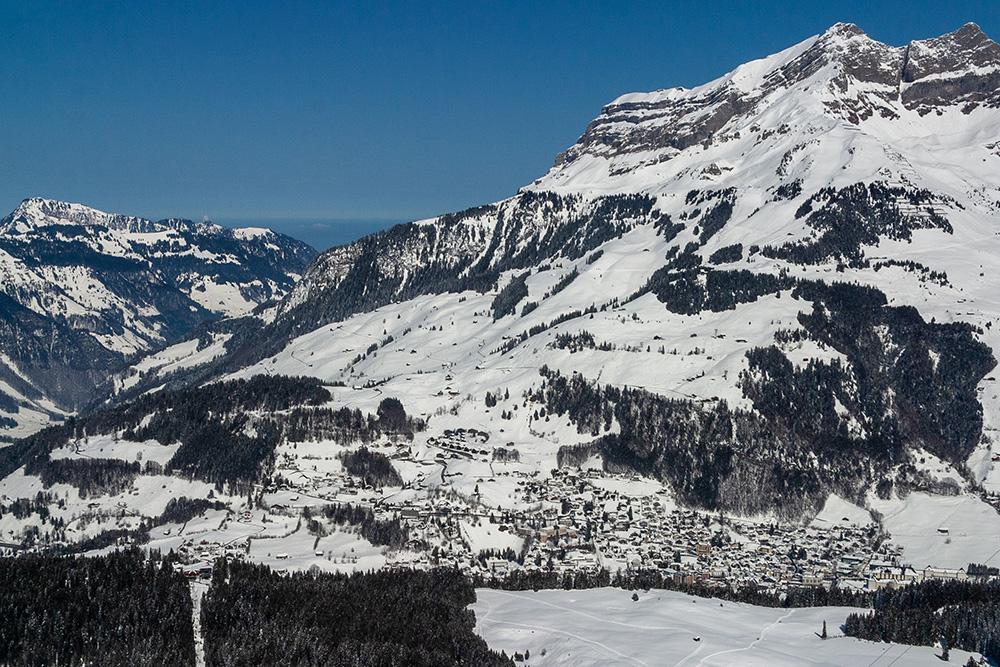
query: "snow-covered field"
605, 627
945, 531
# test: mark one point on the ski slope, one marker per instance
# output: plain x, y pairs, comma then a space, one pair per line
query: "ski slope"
599, 627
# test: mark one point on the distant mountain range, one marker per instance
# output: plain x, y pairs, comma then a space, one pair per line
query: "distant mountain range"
83, 290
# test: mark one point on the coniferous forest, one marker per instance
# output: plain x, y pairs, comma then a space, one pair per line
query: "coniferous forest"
954, 614
120, 609
253, 616
126, 609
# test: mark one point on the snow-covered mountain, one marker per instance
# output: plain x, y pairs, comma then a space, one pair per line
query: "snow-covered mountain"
764, 293
656, 253
83, 290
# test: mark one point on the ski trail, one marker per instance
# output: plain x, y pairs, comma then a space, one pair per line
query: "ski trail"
691, 655
745, 648
592, 617
197, 591
567, 634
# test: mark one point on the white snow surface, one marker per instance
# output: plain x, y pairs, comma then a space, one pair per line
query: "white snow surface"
604, 626
445, 349
942, 531
111, 447
837, 511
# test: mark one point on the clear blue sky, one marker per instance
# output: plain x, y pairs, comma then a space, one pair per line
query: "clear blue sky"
299, 114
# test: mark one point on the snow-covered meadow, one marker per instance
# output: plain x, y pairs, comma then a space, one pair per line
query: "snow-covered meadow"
604, 626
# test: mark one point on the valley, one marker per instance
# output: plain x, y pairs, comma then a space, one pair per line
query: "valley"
739, 341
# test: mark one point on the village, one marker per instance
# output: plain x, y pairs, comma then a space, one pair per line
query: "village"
575, 521
582, 527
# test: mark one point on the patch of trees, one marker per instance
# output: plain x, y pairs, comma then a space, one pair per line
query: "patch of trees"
392, 418
106, 538
9, 404
22, 508
389, 532
506, 455
120, 609
956, 614
789, 190
343, 425
221, 440
726, 289
183, 509
253, 616
859, 215
583, 340
685, 287
231, 452
180, 412
728, 254
915, 381
506, 301
374, 468
980, 570
647, 579
93, 477
716, 217
925, 273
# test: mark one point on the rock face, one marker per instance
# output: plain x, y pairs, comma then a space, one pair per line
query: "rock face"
854, 76
82, 290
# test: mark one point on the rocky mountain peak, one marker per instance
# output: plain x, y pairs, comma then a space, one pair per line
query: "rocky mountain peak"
38, 212
960, 68
842, 75
967, 47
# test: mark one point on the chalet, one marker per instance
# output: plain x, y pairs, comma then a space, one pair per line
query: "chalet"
944, 573
812, 580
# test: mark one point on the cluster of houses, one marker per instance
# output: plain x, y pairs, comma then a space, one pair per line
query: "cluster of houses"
583, 521
577, 525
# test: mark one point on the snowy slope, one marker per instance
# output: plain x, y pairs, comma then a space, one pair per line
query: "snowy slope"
605, 627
